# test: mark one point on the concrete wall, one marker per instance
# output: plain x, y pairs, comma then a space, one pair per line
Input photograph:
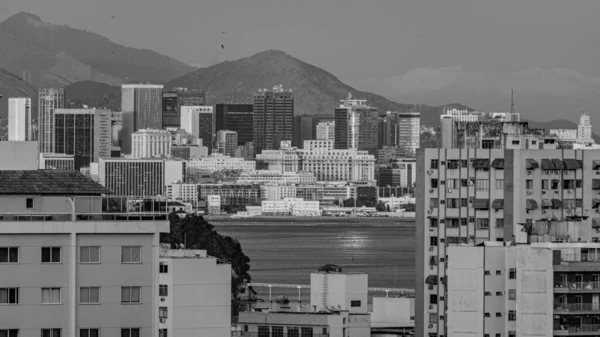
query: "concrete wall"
342, 289
19, 155
393, 312
43, 204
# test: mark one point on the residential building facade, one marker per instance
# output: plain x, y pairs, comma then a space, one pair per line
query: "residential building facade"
326, 130
19, 119
57, 161
217, 162
227, 142
150, 143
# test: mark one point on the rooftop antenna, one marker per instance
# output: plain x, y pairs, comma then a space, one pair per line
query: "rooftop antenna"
512, 106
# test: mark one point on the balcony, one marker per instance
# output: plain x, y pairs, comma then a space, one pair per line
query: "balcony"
266, 334
576, 308
578, 330
47, 217
577, 287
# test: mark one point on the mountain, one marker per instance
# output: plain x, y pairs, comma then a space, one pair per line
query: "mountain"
316, 91
93, 94
57, 55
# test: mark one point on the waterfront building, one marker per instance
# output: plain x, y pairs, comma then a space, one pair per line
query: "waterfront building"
273, 118
83, 133
277, 192
213, 204
218, 162
141, 108
356, 125
183, 192
276, 177
399, 173
326, 130
302, 130
325, 193
172, 101
19, 119
18, 155
139, 177
49, 99
469, 196
227, 142
232, 194
150, 143
193, 284
238, 118
198, 121
290, 207
57, 161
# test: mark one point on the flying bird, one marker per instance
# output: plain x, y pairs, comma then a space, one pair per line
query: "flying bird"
223, 32
113, 17
222, 47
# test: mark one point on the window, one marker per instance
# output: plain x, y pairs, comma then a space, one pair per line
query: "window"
499, 223
512, 334
433, 299
464, 202
578, 183
88, 333
499, 184
487, 293
463, 221
9, 254
50, 332
569, 184
9, 295
131, 254
9, 333
529, 184
452, 165
498, 272
512, 294
464, 182
516, 142
354, 304
293, 332
512, 273
263, 331
162, 332
130, 332
130, 294
555, 184
498, 314
89, 295
483, 223
307, 332
163, 290
483, 184
487, 272
498, 293
434, 183
433, 241
163, 312
433, 318
89, 254
164, 267
453, 203
29, 203
51, 254
276, 331
433, 222
434, 164
544, 184
512, 315
324, 331
487, 144
50, 295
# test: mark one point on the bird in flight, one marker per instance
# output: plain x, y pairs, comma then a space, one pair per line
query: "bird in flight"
113, 17
222, 47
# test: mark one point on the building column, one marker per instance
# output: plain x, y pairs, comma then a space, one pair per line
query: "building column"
73, 285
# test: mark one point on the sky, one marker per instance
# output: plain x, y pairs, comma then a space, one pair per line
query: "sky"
412, 51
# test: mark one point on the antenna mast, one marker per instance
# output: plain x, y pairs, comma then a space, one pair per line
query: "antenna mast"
512, 106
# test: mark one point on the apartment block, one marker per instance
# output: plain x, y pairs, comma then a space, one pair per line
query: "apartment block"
49, 99
183, 192
57, 161
356, 125
150, 143
198, 121
469, 196
19, 119
232, 194
227, 142
217, 162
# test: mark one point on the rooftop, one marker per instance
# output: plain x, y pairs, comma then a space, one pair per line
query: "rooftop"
48, 182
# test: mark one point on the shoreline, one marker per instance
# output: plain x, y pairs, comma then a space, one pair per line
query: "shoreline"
311, 222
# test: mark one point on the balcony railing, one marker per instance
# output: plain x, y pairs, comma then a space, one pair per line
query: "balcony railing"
580, 257
579, 285
577, 307
580, 328
266, 334
84, 217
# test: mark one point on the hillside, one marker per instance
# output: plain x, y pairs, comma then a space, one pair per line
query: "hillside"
93, 94
58, 55
12, 85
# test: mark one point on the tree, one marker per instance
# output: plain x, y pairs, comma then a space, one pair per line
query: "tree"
197, 233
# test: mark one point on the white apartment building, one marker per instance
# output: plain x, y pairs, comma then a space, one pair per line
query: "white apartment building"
149, 143
194, 294
276, 177
190, 120
213, 204
569, 135
227, 142
19, 119
326, 130
291, 206
218, 162
277, 192
584, 130
183, 192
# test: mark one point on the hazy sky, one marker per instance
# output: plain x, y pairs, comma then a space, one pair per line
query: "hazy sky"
470, 51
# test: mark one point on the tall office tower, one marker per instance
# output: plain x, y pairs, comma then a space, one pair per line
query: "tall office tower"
273, 118
116, 127
385, 124
48, 101
469, 196
139, 177
141, 108
149, 143
321, 118
584, 129
302, 130
407, 132
19, 119
84, 133
172, 102
356, 125
198, 121
227, 142
238, 118
326, 130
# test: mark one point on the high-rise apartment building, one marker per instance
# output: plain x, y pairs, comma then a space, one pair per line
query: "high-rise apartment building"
326, 130
198, 121
139, 177
84, 133
407, 132
356, 125
302, 130
172, 102
584, 129
19, 119
149, 143
49, 99
469, 196
227, 142
238, 118
273, 118
141, 108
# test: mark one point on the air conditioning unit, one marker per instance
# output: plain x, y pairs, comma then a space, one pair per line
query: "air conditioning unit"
431, 249
431, 190
430, 287
430, 326
598, 211
442, 221
598, 173
529, 192
442, 259
471, 220
529, 173
470, 182
557, 191
449, 190
557, 172
163, 320
570, 191
162, 299
431, 306
428, 211
543, 192
430, 172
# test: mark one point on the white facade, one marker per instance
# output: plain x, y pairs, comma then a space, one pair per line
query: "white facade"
277, 192
218, 162
190, 118
227, 142
147, 143
22, 155
195, 294
213, 204
174, 170
326, 130
291, 206
505, 116
183, 192
343, 291
276, 177
564, 134
584, 130
393, 312
397, 203
19, 119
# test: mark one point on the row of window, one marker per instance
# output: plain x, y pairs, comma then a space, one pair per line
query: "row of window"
87, 254
87, 295
278, 331
484, 184
125, 332
481, 223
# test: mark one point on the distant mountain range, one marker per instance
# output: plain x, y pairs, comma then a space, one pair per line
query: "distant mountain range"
55, 56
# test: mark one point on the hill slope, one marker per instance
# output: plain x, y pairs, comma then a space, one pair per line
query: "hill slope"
12, 85
93, 94
58, 55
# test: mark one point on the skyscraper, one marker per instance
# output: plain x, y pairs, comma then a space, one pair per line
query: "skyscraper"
198, 121
84, 133
303, 130
238, 118
148, 143
19, 119
326, 130
273, 118
584, 129
172, 102
227, 142
406, 132
356, 125
141, 108
49, 99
